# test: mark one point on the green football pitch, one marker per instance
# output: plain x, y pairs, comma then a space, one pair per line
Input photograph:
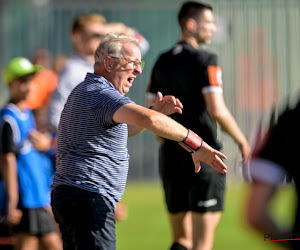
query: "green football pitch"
147, 226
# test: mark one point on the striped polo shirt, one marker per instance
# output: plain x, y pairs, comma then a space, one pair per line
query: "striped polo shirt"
92, 149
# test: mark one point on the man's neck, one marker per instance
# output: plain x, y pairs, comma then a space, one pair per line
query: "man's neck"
89, 58
190, 40
19, 104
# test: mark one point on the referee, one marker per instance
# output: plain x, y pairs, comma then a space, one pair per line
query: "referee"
193, 75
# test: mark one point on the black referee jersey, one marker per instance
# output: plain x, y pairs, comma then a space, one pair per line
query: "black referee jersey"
186, 73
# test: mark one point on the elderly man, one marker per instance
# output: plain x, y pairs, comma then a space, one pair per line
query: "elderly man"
92, 156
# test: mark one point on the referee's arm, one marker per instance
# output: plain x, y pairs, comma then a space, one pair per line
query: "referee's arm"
220, 113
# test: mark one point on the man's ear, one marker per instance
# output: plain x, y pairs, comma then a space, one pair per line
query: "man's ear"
191, 25
108, 63
75, 37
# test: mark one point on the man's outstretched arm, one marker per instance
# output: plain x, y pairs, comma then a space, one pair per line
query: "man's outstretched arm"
164, 104
168, 128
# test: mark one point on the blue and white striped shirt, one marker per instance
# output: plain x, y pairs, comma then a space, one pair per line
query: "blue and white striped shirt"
92, 149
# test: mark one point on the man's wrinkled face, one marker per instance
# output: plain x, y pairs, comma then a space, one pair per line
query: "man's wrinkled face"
126, 67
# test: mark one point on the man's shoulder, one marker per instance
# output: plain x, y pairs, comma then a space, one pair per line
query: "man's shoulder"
94, 85
206, 52
73, 74
185, 50
8, 109
77, 64
206, 56
164, 54
169, 56
11, 113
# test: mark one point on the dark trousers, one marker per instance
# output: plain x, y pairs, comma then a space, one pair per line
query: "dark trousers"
86, 219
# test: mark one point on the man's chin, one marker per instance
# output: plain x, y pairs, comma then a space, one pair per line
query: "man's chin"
207, 42
125, 91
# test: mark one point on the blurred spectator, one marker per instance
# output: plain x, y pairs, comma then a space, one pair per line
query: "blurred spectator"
25, 196
59, 63
41, 89
194, 201
42, 86
275, 158
42, 57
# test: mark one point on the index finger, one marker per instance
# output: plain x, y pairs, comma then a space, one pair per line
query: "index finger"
170, 99
218, 153
178, 103
219, 165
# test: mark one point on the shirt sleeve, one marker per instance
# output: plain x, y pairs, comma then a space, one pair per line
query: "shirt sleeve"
108, 102
213, 75
267, 171
7, 140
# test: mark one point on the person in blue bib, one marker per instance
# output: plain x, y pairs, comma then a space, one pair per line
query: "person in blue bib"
24, 188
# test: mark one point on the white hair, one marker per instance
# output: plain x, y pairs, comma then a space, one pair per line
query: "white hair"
112, 45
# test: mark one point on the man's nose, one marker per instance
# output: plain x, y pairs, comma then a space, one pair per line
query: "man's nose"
138, 69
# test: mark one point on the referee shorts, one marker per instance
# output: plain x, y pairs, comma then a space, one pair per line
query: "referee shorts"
184, 189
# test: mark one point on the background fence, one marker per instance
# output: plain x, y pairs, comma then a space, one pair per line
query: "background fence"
257, 42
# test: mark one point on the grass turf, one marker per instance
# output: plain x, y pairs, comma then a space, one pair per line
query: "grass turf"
147, 225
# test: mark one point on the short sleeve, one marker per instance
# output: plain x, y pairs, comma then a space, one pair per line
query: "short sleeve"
7, 140
109, 101
213, 73
267, 171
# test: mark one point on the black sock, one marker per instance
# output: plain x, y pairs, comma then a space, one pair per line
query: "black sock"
177, 246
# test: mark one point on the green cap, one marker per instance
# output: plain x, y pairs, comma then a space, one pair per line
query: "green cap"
19, 67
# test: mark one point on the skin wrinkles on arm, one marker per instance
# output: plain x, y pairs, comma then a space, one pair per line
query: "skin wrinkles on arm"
156, 122
164, 104
221, 114
166, 127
